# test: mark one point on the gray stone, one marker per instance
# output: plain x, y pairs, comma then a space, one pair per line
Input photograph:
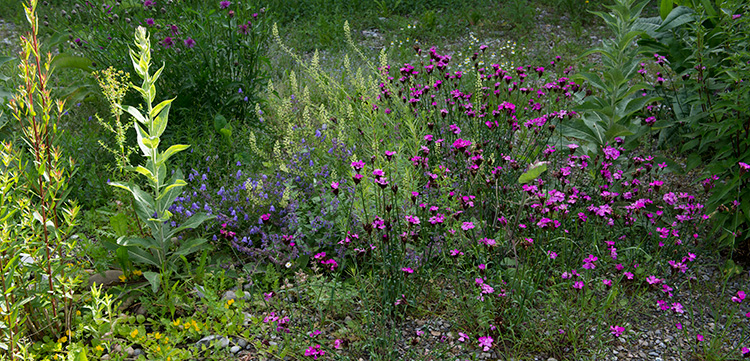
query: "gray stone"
217, 340
235, 349
109, 278
137, 352
199, 291
241, 342
229, 295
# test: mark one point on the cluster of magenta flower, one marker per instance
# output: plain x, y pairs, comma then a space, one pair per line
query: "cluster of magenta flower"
490, 181
466, 204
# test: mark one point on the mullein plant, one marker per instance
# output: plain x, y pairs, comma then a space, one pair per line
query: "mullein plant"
38, 280
158, 248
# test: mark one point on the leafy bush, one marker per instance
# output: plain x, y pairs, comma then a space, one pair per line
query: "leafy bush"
700, 60
217, 49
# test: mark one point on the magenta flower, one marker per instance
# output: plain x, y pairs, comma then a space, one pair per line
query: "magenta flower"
462, 337
699, 338
467, 226
150, 21
189, 42
337, 344
578, 285
149, 3
485, 342
313, 351
168, 42
358, 165
223, 5
617, 330
407, 270
745, 352
739, 298
677, 307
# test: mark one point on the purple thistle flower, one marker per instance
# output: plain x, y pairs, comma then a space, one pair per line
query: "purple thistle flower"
225, 4
168, 42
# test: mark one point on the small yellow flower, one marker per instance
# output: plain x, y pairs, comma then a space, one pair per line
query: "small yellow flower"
229, 303
99, 348
158, 349
63, 339
157, 335
176, 322
137, 273
134, 333
68, 333
78, 313
123, 278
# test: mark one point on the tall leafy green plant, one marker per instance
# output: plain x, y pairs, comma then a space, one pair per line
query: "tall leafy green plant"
156, 249
36, 222
609, 113
706, 52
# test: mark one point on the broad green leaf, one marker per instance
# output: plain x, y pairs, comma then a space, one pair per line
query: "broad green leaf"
595, 81
665, 8
227, 133
144, 171
154, 279
190, 246
160, 106
119, 224
636, 104
141, 137
194, 221
67, 61
138, 242
678, 16
141, 256
617, 130
163, 157
170, 188
156, 75
219, 122
136, 114
160, 122
535, 170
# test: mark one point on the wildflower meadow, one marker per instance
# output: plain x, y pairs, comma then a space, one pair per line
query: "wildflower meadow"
385, 180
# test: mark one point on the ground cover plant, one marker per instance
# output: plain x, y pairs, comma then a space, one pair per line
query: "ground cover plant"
471, 201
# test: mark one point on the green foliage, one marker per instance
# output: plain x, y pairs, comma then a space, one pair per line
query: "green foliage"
610, 112
218, 54
155, 249
705, 62
36, 220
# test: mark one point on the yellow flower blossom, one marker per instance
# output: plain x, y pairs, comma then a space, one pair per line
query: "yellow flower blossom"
157, 335
99, 348
176, 322
134, 333
123, 278
137, 273
63, 339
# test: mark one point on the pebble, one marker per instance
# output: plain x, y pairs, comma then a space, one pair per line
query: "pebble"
220, 341
235, 349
